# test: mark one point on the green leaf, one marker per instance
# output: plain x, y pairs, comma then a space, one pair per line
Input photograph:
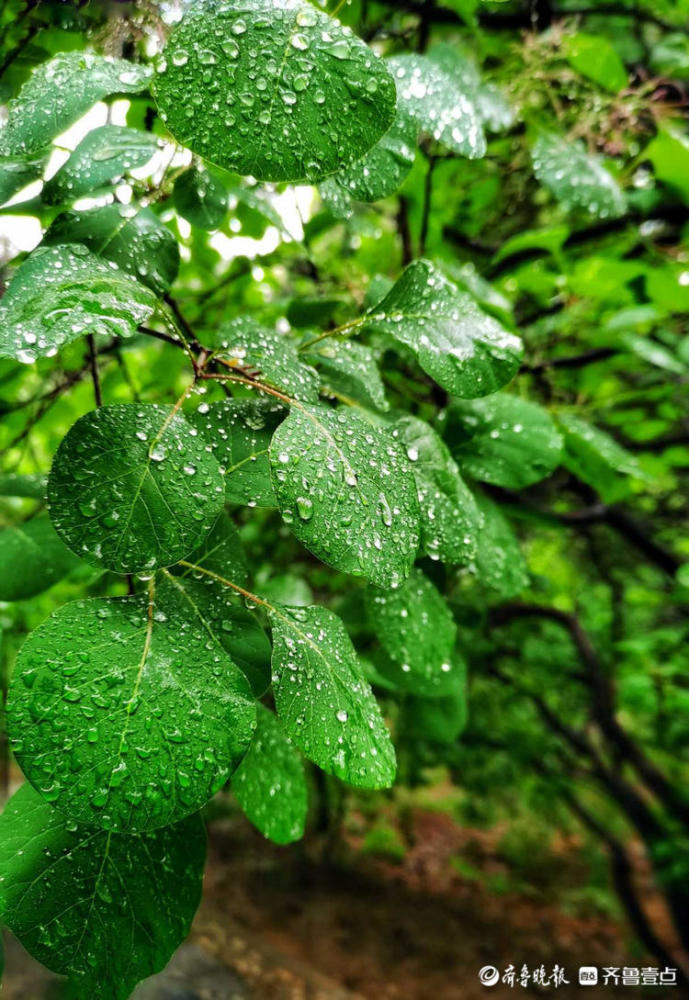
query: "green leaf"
347, 491
465, 350
270, 784
200, 198
349, 370
136, 241
59, 91
417, 631
450, 520
576, 178
499, 563
246, 343
595, 457
16, 172
32, 559
17, 485
503, 440
239, 432
489, 102
435, 101
323, 701
382, 171
132, 488
669, 154
306, 311
62, 292
306, 97
437, 720
221, 552
594, 57
104, 909
101, 156
125, 713
214, 607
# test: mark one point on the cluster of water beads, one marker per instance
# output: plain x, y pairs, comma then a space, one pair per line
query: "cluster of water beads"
62, 292
576, 178
279, 79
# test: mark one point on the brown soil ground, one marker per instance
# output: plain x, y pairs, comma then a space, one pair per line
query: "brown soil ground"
281, 924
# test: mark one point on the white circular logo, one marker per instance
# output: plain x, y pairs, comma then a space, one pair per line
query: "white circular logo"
489, 975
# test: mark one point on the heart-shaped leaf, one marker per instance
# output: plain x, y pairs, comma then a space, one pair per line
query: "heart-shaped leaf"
132, 488
347, 491
273, 88
60, 293
323, 700
270, 784
465, 350
125, 713
74, 895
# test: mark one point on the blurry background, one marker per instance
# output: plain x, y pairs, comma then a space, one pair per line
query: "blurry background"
543, 819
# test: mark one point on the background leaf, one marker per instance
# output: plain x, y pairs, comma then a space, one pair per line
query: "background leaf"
350, 369
246, 343
200, 198
577, 179
503, 440
32, 559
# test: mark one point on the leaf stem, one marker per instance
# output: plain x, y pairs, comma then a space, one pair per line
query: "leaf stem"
93, 362
338, 331
228, 583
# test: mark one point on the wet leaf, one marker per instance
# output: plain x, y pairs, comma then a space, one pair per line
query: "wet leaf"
503, 440
437, 720
437, 104
450, 520
132, 488
595, 457
200, 198
18, 485
417, 631
306, 96
576, 178
74, 894
270, 784
60, 293
499, 562
245, 343
350, 369
16, 172
125, 713
102, 155
490, 103
465, 350
382, 171
221, 552
59, 91
239, 432
32, 559
347, 491
323, 701
136, 241
215, 608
